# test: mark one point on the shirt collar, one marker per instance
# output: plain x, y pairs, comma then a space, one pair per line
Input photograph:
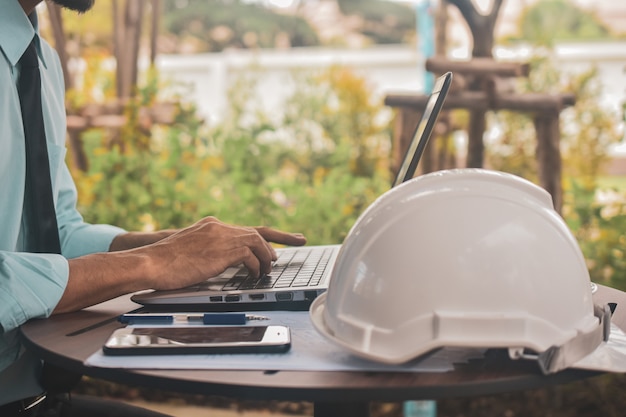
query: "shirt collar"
17, 31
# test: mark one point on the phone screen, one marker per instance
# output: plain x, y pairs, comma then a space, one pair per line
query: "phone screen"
198, 339
194, 335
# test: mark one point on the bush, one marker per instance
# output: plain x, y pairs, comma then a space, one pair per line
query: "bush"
215, 25
313, 175
588, 130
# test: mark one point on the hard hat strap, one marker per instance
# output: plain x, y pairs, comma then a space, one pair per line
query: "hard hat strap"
557, 358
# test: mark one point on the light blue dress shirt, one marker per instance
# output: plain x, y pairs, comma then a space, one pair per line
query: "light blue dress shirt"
32, 284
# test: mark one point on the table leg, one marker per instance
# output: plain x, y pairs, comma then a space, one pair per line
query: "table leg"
341, 409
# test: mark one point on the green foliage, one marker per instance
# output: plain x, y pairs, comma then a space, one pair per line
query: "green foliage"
590, 129
548, 21
384, 22
139, 187
596, 216
92, 29
314, 175
304, 172
216, 25
587, 128
514, 149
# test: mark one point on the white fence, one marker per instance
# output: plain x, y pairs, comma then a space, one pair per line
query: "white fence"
388, 69
208, 76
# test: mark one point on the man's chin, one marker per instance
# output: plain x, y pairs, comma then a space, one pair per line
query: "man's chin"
80, 6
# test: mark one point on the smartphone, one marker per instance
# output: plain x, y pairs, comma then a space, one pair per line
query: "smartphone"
198, 339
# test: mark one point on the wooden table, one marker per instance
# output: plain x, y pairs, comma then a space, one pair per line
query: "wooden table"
67, 340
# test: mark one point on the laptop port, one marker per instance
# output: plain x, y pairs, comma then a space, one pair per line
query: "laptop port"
284, 296
231, 298
215, 298
310, 295
257, 297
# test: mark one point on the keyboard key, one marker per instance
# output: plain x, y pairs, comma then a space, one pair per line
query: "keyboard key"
299, 267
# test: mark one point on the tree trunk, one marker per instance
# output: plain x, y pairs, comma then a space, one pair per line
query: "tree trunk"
154, 30
446, 152
56, 21
441, 29
127, 23
482, 28
75, 143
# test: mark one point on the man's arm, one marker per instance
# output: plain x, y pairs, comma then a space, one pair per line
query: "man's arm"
131, 240
171, 260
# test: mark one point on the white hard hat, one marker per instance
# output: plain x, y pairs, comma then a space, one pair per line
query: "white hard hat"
466, 257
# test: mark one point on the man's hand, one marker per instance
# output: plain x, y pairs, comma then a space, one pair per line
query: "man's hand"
209, 246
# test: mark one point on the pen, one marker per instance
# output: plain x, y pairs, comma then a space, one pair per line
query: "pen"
206, 318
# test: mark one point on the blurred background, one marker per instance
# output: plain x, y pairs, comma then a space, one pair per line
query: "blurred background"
276, 112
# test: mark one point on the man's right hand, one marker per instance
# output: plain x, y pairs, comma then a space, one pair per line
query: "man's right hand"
209, 246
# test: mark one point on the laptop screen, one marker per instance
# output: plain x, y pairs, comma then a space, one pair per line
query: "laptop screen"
424, 129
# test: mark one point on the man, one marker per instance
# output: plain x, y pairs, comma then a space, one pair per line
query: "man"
98, 262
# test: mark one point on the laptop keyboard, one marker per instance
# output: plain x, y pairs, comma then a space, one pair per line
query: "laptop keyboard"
300, 267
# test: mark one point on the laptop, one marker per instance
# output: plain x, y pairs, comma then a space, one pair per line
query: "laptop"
299, 274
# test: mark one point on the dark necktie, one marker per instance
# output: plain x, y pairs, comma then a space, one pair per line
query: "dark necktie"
42, 230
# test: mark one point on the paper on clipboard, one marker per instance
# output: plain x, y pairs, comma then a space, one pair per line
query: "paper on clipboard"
609, 356
309, 352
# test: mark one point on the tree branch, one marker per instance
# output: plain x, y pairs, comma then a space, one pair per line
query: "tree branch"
468, 10
495, 10
471, 14
481, 25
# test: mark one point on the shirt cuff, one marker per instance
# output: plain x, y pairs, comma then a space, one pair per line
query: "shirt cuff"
32, 287
90, 238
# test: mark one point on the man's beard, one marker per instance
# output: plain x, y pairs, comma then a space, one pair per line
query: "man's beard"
80, 6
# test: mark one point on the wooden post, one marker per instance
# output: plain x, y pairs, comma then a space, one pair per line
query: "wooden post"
405, 124
475, 145
75, 126
478, 66
549, 155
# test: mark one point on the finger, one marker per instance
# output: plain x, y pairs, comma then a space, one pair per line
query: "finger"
280, 237
238, 236
272, 250
249, 260
262, 250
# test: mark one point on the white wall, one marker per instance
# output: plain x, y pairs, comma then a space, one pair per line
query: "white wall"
395, 68
388, 69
